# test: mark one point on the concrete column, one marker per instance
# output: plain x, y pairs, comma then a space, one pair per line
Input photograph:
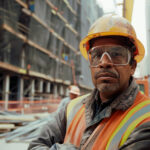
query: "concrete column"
32, 90
23, 58
66, 91
58, 89
20, 89
40, 87
48, 87
6, 88
55, 90
20, 92
61, 90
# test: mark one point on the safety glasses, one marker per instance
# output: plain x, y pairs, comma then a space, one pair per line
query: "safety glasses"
117, 54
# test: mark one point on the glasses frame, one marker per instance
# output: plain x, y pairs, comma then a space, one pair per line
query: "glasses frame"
95, 66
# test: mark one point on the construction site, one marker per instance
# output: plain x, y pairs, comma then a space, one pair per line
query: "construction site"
40, 58
39, 52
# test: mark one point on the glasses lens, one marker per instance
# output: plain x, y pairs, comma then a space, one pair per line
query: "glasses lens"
119, 55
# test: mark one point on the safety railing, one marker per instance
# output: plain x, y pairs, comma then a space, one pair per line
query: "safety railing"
30, 106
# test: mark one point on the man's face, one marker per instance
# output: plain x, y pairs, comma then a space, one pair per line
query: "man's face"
73, 96
108, 78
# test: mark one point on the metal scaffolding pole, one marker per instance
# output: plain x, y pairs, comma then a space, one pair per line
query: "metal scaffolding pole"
20, 89
61, 90
40, 87
32, 90
6, 88
48, 84
55, 90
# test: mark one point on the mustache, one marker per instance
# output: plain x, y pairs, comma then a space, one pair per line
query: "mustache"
113, 73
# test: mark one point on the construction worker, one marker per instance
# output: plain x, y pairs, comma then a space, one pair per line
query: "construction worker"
74, 92
115, 116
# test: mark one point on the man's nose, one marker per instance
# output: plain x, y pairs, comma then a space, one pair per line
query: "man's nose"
106, 60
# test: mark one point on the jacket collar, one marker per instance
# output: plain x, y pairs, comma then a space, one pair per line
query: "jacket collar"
121, 102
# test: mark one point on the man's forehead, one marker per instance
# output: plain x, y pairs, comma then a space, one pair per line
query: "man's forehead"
115, 40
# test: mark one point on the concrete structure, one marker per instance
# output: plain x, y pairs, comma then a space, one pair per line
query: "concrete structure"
38, 43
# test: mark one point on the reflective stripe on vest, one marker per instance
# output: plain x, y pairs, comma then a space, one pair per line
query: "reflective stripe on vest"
119, 131
74, 113
132, 127
73, 108
127, 125
72, 129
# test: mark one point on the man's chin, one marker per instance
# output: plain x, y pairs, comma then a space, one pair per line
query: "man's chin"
105, 87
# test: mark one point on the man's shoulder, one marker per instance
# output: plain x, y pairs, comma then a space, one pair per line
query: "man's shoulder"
65, 101
139, 139
79, 99
141, 97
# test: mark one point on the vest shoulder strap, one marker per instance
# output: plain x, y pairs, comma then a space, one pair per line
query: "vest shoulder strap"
74, 106
137, 114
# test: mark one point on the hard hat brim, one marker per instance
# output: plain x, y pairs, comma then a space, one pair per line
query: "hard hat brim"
73, 92
136, 42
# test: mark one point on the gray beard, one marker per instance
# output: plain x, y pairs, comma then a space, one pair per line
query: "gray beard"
107, 87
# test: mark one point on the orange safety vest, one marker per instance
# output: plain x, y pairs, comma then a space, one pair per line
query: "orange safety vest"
112, 132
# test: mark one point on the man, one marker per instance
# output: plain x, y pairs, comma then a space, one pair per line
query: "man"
115, 116
74, 92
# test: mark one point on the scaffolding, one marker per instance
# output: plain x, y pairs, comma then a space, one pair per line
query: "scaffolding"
38, 43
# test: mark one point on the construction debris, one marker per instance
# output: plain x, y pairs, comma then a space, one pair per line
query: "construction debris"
19, 128
19, 118
6, 127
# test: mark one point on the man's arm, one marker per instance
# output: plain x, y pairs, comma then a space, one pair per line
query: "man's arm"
139, 138
63, 103
51, 133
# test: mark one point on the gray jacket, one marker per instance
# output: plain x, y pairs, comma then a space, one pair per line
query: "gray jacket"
52, 134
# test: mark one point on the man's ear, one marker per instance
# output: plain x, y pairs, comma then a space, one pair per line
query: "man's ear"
133, 67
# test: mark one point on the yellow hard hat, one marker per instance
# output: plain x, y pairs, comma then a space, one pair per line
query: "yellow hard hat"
112, 25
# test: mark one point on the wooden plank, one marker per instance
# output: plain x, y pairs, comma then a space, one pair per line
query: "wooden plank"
73, 30
41, 49
69, 7
18, 118
62, 18
66, 82
37, 74
10, 122
23, 71
50, 30
47, 52
8, 28
22, 3
7, 126
12, 68
58, 80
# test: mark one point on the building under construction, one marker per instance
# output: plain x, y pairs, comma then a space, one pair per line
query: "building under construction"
39, 52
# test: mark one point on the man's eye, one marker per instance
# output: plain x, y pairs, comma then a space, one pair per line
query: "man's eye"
116, 54
96, 56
